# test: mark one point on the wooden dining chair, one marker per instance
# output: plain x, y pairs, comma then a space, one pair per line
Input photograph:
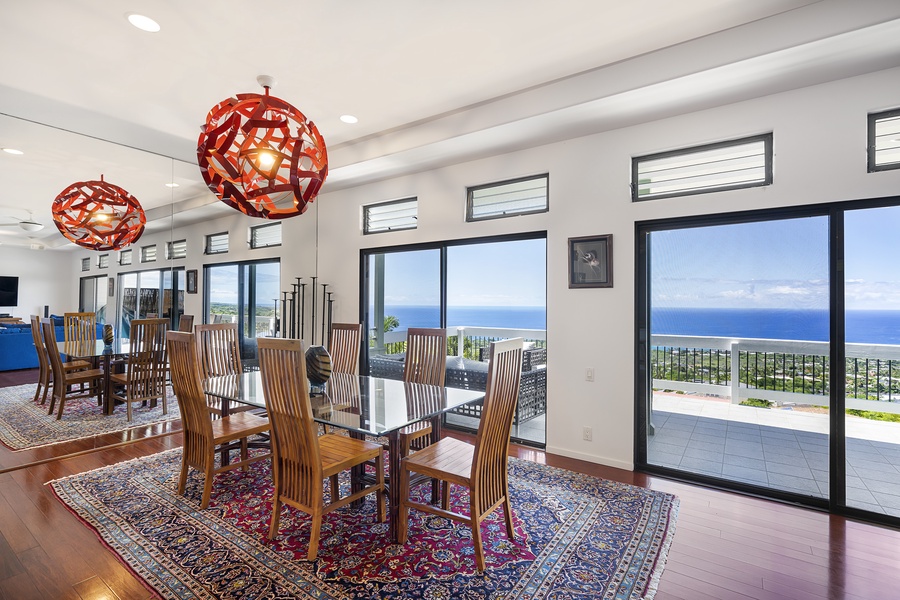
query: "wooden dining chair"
63, 378
144, 379
80, 326
344, 347
303, 459
481, 467
45, 372
219, 353
426, 362
203, 436
186, 323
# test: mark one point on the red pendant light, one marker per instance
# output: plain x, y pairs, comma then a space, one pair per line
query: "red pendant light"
262, 156
98, 215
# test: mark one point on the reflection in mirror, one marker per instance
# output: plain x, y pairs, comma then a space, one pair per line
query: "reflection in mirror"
120, 286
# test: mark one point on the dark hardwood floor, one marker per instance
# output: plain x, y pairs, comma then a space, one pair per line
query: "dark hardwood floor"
726, 546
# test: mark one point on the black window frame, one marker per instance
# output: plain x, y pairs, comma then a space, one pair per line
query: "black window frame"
470, 218
367, 207
768, 140
144, 250
253, 236
212, 236
871, 166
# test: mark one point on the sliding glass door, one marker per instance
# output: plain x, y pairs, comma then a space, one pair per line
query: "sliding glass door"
479, 291
245, 294
769, 354
150, 294
872, 322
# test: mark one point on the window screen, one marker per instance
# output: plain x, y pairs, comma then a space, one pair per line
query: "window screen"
716, 167
508, 198
85, 264
148, 254
263, 236
391, 216
125, 257
217, 243
103, 261
176, 249
884, 141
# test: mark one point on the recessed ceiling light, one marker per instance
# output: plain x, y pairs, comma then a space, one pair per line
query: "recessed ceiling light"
172, 185
13, 151
349, 119
143, 23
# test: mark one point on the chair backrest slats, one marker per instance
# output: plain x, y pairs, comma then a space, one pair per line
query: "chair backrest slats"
492, 443
219, 349
344, 347
426, 356
186, 323
80, 326
38, 336
59, 374
295, 445
195, 418
146, 365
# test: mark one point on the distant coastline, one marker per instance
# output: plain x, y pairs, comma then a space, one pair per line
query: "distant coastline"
863, 326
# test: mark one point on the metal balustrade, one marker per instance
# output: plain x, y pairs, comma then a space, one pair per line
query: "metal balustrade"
775, 370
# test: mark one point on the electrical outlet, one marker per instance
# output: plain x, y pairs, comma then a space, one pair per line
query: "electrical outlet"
589, 374
588, 434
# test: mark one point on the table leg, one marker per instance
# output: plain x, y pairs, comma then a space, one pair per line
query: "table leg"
108, 403
435, 437
394, 483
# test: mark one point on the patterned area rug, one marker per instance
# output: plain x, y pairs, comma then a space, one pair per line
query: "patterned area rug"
25, 424
576, 537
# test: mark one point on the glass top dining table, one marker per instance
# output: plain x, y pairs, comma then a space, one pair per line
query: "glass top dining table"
364, 406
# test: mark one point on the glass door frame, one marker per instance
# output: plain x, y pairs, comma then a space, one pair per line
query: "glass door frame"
442, 246
836, 502
241, 265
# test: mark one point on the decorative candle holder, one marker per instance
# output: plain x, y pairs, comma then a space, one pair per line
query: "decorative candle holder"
108, 334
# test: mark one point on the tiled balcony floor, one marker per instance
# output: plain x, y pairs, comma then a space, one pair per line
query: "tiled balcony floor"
777, 448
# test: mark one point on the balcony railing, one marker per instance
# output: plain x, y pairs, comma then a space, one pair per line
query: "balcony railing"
464, 341
775, 370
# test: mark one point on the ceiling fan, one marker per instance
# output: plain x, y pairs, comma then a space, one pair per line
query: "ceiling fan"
28, 224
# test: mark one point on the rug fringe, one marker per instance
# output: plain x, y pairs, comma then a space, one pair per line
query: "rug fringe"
660, 564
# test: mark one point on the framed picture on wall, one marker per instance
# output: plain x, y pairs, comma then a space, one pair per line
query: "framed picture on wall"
590, 261
110, 286
192, 281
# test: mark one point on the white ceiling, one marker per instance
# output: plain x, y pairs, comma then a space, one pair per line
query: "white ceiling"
82, 92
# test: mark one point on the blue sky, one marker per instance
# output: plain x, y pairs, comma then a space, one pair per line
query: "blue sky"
499, 274
777, 264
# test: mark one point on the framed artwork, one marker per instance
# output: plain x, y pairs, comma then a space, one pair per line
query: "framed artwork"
590, 261
110, 286
192, 281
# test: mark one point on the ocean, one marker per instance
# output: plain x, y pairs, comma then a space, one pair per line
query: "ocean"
516, 317
863, 326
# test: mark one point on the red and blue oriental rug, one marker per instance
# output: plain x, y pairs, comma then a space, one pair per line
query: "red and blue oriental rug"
576, 537
26, 424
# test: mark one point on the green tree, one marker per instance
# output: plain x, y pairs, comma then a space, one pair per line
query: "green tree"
391, 323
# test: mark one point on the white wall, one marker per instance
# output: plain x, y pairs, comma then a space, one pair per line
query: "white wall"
820, 142
43, 280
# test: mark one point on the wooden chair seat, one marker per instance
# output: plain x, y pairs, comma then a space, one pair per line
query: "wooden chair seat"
237, 426
481, 468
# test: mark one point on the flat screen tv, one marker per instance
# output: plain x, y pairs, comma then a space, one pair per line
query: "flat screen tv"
9, 291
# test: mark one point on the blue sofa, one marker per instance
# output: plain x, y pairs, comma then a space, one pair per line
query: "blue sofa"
17, 346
